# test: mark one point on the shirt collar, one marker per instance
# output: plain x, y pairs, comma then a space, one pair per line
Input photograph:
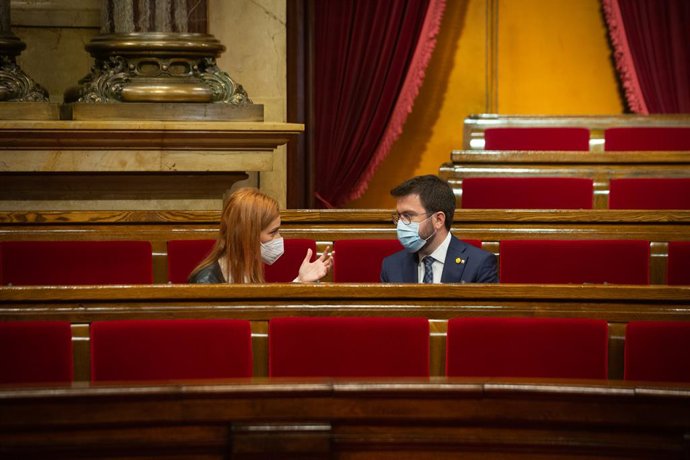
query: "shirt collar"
440, 253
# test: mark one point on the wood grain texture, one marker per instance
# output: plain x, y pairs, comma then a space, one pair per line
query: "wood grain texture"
349, 419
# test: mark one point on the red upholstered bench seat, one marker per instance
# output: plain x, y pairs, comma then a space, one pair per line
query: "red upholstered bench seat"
678, 262
647, 138
170, 349
359, 261
35, 352
348, 347
551, 138
574, 261
527, 347
657, 351
76, 262
527, 193
649, 193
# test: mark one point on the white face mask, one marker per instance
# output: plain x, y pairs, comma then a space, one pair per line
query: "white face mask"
272, 250
408, 235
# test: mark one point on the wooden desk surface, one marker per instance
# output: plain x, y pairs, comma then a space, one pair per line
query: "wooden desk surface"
262, 302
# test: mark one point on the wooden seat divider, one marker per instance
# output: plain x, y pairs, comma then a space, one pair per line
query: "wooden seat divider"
445, 418
326, 226
81, 305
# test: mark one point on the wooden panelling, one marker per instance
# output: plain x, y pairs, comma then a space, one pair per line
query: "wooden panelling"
418, 419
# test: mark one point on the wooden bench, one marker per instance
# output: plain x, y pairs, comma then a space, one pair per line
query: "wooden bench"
326, 226
82, 305
600, 167
495, 419
475, 125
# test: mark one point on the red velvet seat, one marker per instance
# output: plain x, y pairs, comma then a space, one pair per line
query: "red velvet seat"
35, 352
647, 138
527, 193
678, 262
657, 351
76, 262
527, 347
285, 269
185, 255
574, 261
348, 347
170, 349
359, 261
557, 138
654, 193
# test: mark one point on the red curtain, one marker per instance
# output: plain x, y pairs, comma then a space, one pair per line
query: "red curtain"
651, 40
369, 61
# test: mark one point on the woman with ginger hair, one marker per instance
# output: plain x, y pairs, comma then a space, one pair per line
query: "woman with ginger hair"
249, 235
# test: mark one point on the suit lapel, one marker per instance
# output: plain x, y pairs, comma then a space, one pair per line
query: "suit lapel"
456, 261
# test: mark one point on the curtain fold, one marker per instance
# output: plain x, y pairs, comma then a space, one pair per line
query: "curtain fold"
651, 41
370, 57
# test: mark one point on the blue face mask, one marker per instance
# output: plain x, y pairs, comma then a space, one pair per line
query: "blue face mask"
408, 235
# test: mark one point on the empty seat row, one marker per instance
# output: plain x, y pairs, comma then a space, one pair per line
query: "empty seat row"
573, 193
356, 261
577, 138
159, 350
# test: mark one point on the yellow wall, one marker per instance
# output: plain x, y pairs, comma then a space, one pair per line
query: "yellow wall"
553, 58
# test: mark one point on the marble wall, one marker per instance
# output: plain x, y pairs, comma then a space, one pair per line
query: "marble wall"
253, 31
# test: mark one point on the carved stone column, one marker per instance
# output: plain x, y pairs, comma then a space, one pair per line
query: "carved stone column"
15, 85
158, 51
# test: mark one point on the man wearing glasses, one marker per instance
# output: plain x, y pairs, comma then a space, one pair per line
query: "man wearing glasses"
423, 217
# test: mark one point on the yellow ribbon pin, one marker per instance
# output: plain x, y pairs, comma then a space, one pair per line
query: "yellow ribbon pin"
458, 260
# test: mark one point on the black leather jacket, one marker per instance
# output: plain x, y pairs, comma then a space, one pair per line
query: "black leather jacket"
211, 274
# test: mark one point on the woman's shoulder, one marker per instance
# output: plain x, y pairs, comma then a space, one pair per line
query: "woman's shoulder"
211, 274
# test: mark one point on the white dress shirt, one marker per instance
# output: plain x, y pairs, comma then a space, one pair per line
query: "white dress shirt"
439, 256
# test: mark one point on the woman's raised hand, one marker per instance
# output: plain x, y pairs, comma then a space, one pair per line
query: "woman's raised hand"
314, 271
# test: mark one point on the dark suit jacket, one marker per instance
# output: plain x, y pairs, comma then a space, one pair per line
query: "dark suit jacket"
479, 266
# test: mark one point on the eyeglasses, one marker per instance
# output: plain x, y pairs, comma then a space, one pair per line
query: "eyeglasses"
406, 218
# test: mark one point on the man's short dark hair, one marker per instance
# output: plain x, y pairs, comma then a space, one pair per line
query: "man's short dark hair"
434, 193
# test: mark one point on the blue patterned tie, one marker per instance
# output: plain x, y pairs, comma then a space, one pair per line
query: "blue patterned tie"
428, 271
